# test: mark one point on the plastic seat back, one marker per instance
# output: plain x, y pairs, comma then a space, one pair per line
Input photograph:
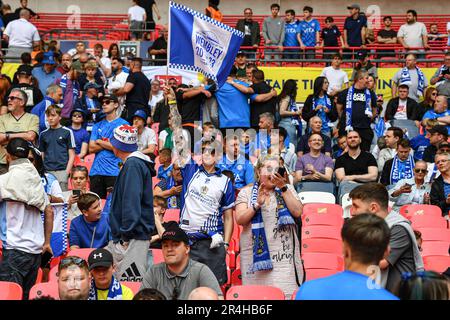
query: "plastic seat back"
434, 248
327, 232
312, 274
254, 293
410, 210
428, 221
134, 286
45, 289
157, 256
10, 291
315, 260
322, 245
81, 252
437, 263
316, 197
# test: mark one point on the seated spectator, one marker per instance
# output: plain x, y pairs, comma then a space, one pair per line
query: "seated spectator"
433, 172
90, 103
365, 241
54, 95
440, 112
73, 279
146, 136
355, 166
156, 95
402, 107
287, 154
149, 294
364, 64
411, 190
391, 137
203, 293
159, 209
321, 105
401, 166
79, 178
425, 285
178, 268
165, 159
315, 124
81, 135
331, 36
422, 141
434, 35
340, 147
314, 166
235, 162
337, 77
170, 188
441, 78
440, 189
47, 73
438, 134
272, 204
104, 286
428, 102
247, 145
91, 229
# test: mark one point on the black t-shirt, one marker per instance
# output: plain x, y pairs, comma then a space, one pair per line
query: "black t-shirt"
429, 154
387, 34
190, 108
257, 108
354, 27
330, 36
139, 96
162, 112
357, 166
148, 6
159, 44
166, 225
359, 119
34, 95
304, 147
32, 13
7, 18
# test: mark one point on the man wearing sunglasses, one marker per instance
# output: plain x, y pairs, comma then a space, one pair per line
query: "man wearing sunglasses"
438, 135
73, 279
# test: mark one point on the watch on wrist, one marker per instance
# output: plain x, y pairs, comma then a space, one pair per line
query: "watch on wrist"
284, 188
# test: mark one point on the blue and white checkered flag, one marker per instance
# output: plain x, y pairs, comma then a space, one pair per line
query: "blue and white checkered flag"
199, 43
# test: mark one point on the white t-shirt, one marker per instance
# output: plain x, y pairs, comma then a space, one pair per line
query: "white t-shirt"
147, 137
137, 13
21, 33
401, 110
336, 78
155, 99
106, 62
412, 34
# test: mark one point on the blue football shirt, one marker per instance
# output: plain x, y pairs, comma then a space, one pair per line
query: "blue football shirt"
290, 34
234, 110
308, 32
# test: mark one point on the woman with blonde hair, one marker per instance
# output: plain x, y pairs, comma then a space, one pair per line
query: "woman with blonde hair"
270, 250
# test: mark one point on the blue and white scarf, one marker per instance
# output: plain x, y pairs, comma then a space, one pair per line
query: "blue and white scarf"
379, 127
402, 169
261, 253
405, 78
114, 292
295, 120
75, 87
322, 114
349, 107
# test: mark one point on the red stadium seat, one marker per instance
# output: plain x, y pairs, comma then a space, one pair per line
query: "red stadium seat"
157, 256
172, 215
428, 221
312, 274
327, 232
236, 277
53, 274
322, 245
39, 276
436, 263
230, 260
88, 161
254, 293
324, 219
81, 252
329, 261
322, 209
410, 210
435, 234
45, 289
434, 248
134, 286
10, 291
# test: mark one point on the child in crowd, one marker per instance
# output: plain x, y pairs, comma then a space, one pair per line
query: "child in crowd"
91, 229
159, 209
165, 158
80, 134
209, 134
57, 145
146, 136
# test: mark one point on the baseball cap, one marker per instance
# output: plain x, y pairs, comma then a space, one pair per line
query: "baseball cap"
48, 58
125, 138
175, 233
91, 85
18, 147
439, 129
100, 258
354, 6
444, 144
109, 97
240, 53
24, 69
83, 113
141, 114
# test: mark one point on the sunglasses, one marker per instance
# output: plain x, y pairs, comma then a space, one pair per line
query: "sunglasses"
68, 261
105, 102
209, 150
420, 170
77, 115
14, 98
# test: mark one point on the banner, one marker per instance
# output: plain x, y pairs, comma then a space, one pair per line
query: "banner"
276, 77
163, 74
201, 44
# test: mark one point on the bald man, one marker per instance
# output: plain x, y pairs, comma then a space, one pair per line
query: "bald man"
203, 293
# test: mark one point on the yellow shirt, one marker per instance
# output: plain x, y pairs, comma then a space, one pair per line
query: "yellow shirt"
9, 124
127, 294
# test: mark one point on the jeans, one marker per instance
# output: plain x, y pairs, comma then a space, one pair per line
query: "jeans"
20, 267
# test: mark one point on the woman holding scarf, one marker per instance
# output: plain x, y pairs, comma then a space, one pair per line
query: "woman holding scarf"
289, 112
321, 105
270, 250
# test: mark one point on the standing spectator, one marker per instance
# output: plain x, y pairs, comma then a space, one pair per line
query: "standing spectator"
392, 136
251, 31
104, 286
440, 189
54, 95
413, 34
289, 112
73, 279
159, 48
81, 135
146, 136
364, 64
71, 90
136, 20
387, 36
337, 77
162, 109
131, 214
213, 10
434, 35
287, 152
258, 107
24, 5
90, 77
8, 15
355, 27
21, 35
240, 65
360, 104
57, 145
90, 103
412, 76
315, 125
22, 200
422, 141
179, 274
402, 107
156, 95
270, 252
273, 32
426, 285
47, 73
136, 89
113, 50
365, 241
291, 29
309, 33
66, 62
330, 38
441, 77
150, 6
105, 168
440, 112
117, 80
404, 254
104, 63
320, 104
17, 123
401, 166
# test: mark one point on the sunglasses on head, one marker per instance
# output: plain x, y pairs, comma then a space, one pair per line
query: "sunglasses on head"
68, 261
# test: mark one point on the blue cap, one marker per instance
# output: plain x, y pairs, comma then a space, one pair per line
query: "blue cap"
141, 114
48, 58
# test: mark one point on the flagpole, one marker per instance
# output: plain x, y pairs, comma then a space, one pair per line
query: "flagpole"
169, 30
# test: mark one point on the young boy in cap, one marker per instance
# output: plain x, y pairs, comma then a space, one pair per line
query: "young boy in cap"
104, 286
131, 213
146, 136
80, 134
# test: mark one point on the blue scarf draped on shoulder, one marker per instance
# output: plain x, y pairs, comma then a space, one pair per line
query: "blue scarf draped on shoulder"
261, 253
114, 291
349, 107
405, 78
402, 169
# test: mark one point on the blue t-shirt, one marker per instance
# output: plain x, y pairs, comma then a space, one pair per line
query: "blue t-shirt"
81, 135
165, 173
308, 31
345, 285
234, 110
242, 169
419, 144
354, 28
81, 232
290, 34
105, 162
430, 114
55, 143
